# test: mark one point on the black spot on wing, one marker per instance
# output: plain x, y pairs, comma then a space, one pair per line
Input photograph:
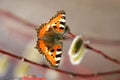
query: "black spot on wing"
58, 55
59, 49
63, 23
52, 50
56, 66
61, 28
63, 17
57, 61
54, 26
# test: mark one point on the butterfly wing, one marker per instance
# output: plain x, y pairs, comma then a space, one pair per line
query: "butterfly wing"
58, 22
42, 30
51, 51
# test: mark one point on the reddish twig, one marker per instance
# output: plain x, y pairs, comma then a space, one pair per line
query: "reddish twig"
99, 40
61, 71
103, 54
73, 36
12, 16
103, 41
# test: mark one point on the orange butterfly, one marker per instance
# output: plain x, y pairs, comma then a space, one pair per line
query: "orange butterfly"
50, 36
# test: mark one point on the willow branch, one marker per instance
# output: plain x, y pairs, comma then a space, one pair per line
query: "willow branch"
16, 18
61, 71
103, 41
103, 54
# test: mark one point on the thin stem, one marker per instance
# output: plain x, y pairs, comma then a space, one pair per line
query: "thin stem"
103, 54
14, 17
103, 41
61, 71
73, 36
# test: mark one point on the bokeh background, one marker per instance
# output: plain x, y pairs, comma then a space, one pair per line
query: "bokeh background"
99, 19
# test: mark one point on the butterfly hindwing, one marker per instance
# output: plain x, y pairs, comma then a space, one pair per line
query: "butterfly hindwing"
52, 53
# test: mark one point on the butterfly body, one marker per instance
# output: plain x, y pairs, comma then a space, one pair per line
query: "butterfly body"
53, 38
50, 36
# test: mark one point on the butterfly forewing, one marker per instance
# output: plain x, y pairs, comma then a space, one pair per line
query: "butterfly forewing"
58, 22
41, 31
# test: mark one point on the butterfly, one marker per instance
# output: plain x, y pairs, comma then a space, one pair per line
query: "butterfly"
50, 38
